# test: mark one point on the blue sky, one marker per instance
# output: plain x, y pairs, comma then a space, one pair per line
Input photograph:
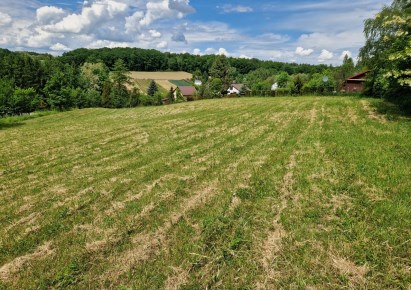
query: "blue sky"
293, 31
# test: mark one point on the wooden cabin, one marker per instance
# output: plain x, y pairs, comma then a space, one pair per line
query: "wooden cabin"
355, 84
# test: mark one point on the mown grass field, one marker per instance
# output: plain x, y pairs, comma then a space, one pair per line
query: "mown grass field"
144, 84
266, 193
172, 75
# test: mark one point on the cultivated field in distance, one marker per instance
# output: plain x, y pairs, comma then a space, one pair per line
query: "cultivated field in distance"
307, 192
160, 75
163, 79
144, 84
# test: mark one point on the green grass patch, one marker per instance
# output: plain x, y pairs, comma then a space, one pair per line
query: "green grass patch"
181, 83
230, 193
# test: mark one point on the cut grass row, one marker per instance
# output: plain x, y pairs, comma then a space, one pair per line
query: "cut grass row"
189, 195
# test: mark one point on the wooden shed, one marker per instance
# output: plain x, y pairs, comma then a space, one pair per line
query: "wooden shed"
355, 83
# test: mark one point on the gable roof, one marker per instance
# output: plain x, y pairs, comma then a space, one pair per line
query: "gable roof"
187, 90
359, 77
237, 86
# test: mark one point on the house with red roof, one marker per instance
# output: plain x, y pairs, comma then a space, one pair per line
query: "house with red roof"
355, 84
188, 91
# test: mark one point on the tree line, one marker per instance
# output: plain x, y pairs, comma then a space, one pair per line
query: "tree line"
99, 77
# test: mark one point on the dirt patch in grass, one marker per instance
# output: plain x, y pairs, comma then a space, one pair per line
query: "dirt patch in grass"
235, 202
338, 201
29, 220
178, 279
356, 274
352, 115
372, 114
8, 270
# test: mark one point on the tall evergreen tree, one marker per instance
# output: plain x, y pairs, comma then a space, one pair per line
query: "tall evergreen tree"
152, 88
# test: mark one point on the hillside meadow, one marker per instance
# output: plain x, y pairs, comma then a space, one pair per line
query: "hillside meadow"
252, 193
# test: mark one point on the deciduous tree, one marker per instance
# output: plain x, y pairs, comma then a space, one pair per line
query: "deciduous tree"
387, 51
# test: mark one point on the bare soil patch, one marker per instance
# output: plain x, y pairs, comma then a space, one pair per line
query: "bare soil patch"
8, 270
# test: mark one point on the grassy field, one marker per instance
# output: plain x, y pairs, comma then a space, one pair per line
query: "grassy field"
181, 83
144, 84
165, 80
245, 193
178, 75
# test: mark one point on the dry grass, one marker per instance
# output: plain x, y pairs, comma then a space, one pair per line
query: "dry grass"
234, 193
165, 84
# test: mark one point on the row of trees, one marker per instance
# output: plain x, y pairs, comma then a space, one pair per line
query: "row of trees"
99, 78
137, 59
30, 82
261, 80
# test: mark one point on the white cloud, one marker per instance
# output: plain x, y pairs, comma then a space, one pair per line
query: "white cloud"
331, 41
303, 52
243, 56
106, 43
209, 50
345, 53
29, 25
133, 22
154, 33
325, 55
5, 19
276, 54
273, 38
90, 18
42, 38
203, 32
235, 9
281, 54
49, 14
59, 47
223, 51
162, 45
166, 9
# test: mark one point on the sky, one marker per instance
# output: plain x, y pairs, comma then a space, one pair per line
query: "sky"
301, 31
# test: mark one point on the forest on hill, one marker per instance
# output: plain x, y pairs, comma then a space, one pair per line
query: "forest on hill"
99, 77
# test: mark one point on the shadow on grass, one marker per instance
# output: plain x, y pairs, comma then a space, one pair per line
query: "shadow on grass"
10, 125
16, 121
392, 111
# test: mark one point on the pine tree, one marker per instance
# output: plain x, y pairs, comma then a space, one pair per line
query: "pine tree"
152, 88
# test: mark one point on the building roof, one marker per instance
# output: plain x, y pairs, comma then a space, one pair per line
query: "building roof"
359, 77
187, 90
237, 86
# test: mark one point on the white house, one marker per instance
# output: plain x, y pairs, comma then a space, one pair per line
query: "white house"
198, 83
235, 89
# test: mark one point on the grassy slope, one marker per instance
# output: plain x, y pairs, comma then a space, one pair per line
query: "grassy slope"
222, 193
144, 84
